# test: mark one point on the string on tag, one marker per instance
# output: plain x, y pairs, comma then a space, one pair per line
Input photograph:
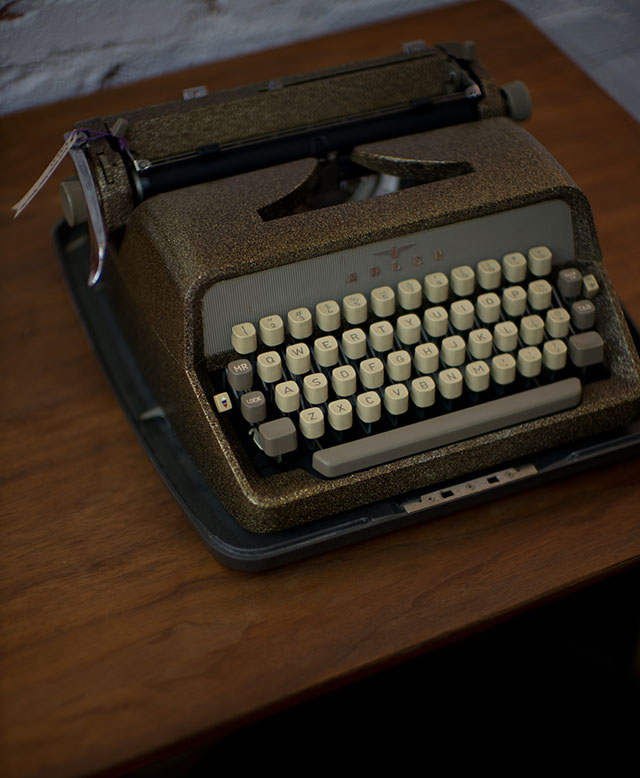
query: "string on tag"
76, 137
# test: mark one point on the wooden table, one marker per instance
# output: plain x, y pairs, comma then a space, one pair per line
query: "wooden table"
122, 638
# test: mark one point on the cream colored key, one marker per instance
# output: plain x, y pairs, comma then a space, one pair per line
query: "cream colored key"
514, 267
529, 361
557, 322
344, 380
409, 294
269, 366
271, 330
354, 343
298, 358
532, 330
287, 396
426, 358
436, 287
477, 375
354, 308
489, 274
452, 350
222, 401
554, 354
243, 338
480, 343
503, 369
340, 414
539, 261
488, 308
539, 294
328, 315
461, 314
450, 383
383, 301
514, 301
436, 321
316, 388
325, 350
463, 280
505, 336
311, 422
369, 407
299, 322
381, 336
399, 365
396, 399
590, 286
371, 373
408, 329
423, 391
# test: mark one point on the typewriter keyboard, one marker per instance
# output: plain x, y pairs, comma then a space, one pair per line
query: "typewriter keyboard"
430, 361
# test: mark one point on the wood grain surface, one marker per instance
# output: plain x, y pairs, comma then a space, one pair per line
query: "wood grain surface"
122, 638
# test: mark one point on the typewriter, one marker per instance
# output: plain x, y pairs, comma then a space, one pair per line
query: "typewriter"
342, 302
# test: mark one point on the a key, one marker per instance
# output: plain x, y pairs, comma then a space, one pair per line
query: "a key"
436, 287
463, 280
278, 437
328, 315
396, 399
477, 375
269, 366
409, 294
240, 375
344, 380
287, 396
514, 267
311, 422
243, 338
368, 407
325, 350
371, 373
354, 308
489, 274
539, 261
569, 282
298, 358
383, 301
315, 388
354, 343
423, 391
503, 369
426, 357
253, 407
340, 414
300, 323
271, 330
399, 365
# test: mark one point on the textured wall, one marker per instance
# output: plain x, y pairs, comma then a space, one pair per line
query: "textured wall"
51, 49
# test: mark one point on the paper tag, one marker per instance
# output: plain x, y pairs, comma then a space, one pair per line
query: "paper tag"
48, 172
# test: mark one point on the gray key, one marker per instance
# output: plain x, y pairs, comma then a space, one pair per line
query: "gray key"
583, 314
448, 428
586, 348
278, 437
253, 407
240, 375
570, 282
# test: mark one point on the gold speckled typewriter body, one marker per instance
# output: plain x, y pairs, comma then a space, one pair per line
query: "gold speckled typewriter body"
168, 251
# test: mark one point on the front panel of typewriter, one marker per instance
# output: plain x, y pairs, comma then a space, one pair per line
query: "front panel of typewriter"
314, 358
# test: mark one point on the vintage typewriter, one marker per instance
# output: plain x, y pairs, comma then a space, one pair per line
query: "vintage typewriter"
343, 302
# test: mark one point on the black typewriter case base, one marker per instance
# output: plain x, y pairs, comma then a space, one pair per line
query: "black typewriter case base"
228, 541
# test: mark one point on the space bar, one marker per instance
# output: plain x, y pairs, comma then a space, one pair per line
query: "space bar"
447, 428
